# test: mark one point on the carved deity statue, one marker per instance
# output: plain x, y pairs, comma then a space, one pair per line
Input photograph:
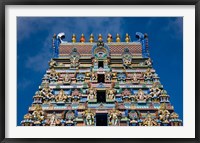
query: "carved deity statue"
148, 74
148, 62
53, 75
67, 79
92, 93
46, 92
114, 74
94, 76
108, 76
38, 114
126, 58
54, 120
133, 116
163, 113
61, 97
76, 95
126, 95
110, 94
52, 63
69, 116
74, 58
88, 74
89, 117
140, 96
149, 121
106, 62
74, 61
135, 78
114, 117
94, 62
155, 91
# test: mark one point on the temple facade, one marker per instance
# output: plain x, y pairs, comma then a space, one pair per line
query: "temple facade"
101, 83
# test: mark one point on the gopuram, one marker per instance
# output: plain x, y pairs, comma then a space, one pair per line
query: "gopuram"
99, 82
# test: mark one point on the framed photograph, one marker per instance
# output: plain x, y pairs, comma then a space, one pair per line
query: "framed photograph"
101, 71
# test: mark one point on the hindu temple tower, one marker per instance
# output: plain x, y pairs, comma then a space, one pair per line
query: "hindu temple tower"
98, 82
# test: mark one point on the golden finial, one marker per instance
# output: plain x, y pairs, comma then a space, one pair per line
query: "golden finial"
109, 38
100, 37
91, 38
82, 40
127, 39
73, 38
118, 38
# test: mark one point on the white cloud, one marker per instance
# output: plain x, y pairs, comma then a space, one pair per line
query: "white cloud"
88, 26
39, 62
175, 27
172, 25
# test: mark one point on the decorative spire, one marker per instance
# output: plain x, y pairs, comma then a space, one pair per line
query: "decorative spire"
146, 43
117, 38
109, 38
54, 35
55, 45
73, 38
91, 38
100, 37
82, 40
53, 40
127, 39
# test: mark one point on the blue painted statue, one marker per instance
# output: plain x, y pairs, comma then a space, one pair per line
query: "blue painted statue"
143, 39
56, 40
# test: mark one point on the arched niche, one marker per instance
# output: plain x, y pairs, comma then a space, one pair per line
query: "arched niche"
100, 51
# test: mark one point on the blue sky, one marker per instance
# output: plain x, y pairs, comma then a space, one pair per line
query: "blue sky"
34, 50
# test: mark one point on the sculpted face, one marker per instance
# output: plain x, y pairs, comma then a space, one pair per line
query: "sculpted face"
127, 61
88, 116
91, 92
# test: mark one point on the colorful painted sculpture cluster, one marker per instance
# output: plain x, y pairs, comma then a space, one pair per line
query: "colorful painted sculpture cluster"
101, 84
